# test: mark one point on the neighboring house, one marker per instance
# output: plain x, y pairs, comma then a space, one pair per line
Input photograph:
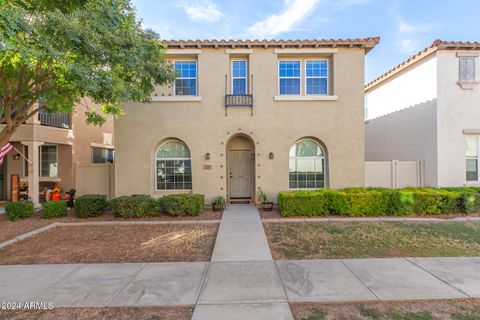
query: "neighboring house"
427, 108
54, 143
243, 115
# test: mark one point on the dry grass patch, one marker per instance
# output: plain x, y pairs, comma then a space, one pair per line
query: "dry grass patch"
114, 244
372, 239
143, 313
12, 229
467, 309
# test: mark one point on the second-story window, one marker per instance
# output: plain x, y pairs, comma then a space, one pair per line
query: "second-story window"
316, 77
467, 69
186, 80
289, 77
239, 77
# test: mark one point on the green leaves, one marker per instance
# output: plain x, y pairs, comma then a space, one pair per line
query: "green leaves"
67, 50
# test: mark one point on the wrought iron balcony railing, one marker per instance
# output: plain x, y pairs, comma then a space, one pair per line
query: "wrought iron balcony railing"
59, 120
238, 100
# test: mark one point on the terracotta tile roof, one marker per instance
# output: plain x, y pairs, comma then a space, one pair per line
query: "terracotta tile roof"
436, 45
367, 43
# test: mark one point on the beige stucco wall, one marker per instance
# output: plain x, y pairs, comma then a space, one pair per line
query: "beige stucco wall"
85, 134
274, 127
413, 85
407, 135
458, 109
416, 133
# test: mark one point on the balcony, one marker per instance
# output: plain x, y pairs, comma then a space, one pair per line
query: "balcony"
238, 100
55, 119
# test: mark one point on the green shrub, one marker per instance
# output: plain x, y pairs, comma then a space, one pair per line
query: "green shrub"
312, 203
468, 198
90, 205
379, 201
366, 202
54, 209
435, 201
134, 206
19, 210
182, 204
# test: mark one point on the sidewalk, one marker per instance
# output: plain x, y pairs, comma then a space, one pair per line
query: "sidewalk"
242, 281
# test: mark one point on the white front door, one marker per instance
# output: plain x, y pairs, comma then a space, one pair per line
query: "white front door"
240, 174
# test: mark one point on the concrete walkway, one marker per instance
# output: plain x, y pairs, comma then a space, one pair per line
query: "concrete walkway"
242, 281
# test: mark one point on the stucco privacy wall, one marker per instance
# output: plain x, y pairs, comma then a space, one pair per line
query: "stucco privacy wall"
415, 84
457, 110
274, 127
408, 134
85, 134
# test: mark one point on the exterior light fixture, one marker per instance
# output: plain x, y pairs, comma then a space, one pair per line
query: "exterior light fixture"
16, 156
207, 156
270, 156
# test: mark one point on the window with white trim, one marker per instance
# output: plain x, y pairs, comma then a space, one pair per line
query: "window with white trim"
173, 166
186, 78
289, 77
306, 165
48, 161
239, 77
471, 153
466, 68
103, 155
316, 77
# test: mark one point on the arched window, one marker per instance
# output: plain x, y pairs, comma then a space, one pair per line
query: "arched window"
174, 167
306, 165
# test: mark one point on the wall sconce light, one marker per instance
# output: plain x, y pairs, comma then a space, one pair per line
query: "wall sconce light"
270, 156
207, 156
16, 156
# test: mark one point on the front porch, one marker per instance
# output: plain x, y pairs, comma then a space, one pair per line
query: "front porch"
48, 165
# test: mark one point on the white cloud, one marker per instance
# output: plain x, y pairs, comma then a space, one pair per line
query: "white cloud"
406, 28
204, 11
294, 12
410, 35
345, 4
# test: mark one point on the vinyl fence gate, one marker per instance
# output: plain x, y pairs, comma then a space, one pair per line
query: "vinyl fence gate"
395, 174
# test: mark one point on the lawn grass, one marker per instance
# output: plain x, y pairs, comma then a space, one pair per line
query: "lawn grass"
465, 309
372, 239
11, 229
115, 244
117, 313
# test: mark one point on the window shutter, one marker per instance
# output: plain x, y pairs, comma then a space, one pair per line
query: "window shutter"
467, 69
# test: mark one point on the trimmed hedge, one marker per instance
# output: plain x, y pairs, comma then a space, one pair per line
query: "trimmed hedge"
134, 206
379, 201
54, 209
19, 210
90, 205
182, 204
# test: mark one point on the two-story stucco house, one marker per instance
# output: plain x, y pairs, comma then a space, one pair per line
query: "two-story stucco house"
53, 143
427, 108
243, 115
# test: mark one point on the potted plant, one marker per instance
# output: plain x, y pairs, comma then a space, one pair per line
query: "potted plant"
263, 199
218, 203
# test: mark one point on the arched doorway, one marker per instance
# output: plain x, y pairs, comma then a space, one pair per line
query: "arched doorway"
240, 169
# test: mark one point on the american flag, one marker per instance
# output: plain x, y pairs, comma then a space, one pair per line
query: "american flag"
5, 150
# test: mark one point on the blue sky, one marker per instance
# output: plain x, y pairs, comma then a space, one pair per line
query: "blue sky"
405, 26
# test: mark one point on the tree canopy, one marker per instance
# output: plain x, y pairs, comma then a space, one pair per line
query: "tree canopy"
65, 50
